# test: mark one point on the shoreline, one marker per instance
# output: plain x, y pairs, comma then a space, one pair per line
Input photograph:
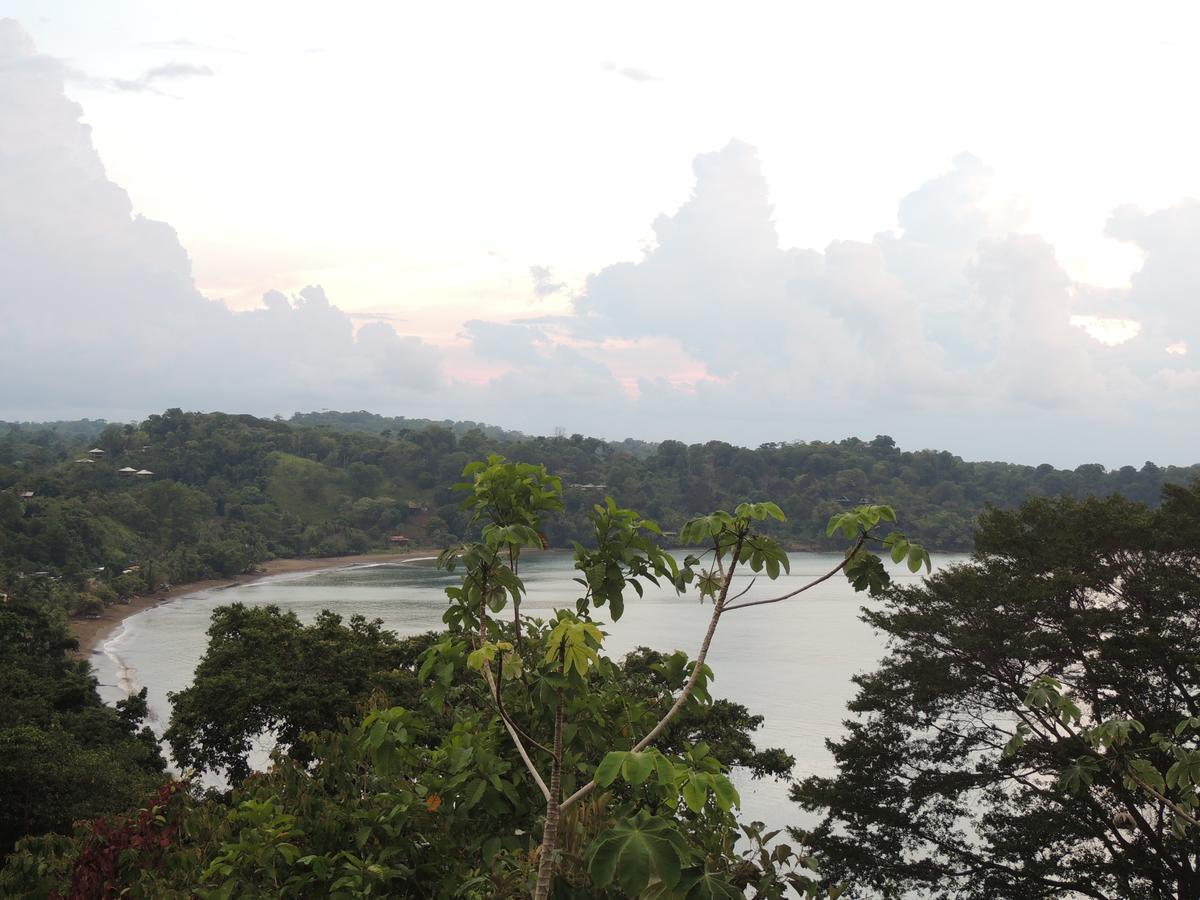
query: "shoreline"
90, 633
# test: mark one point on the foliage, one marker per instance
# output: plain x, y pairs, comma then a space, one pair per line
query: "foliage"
442, 795
395, 804
265, 671
1166, 770
64, 755
147, 835
1031, 732
552, 679
1040, 697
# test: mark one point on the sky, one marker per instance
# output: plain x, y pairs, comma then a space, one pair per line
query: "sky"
969, 226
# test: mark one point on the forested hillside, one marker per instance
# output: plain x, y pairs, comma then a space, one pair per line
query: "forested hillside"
227, 491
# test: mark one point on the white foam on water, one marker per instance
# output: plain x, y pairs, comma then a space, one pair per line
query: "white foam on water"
126, 675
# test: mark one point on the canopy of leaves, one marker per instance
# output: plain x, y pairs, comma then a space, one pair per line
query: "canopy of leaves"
1102, 594
64, 755
265, 671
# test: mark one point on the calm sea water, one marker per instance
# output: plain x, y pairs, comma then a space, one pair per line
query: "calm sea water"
790, 662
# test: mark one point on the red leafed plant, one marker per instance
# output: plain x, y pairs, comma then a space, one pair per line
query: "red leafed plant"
114, 842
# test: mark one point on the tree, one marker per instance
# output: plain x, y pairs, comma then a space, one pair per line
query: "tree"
266, 671
1031, 732
64, 755
540, 678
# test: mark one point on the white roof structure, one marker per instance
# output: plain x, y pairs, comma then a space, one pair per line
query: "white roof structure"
127, 470
89, 461
143, 472
95, 451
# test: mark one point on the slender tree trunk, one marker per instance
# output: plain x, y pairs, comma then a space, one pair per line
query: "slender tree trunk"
545, 877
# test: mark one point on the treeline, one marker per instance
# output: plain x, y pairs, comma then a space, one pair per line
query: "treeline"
42, 443
227, 491
373, 423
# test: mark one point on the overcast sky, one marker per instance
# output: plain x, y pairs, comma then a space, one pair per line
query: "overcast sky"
965, 225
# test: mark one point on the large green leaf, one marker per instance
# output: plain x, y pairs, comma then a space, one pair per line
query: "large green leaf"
1185, 771
695, 792
724, 791
635, 849
865, 572
609, 768
696, 884
638, 766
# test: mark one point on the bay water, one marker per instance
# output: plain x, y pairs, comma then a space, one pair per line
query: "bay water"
792, 662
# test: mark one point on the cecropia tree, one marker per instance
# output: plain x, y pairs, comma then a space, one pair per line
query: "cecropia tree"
540, 674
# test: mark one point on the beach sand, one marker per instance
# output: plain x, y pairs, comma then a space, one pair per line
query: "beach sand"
90, 632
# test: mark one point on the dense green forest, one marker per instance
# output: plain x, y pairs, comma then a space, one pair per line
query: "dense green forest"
1031, 732
226, 491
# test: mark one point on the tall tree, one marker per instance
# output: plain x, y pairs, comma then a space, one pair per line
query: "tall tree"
988, 758
540, 678
266, 671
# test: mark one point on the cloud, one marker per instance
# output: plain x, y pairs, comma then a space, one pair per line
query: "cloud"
149, 81
1165, 293
641, 76
506, 341
100, 308
184, 44
152, 78
952, 330
374, 316
544, 284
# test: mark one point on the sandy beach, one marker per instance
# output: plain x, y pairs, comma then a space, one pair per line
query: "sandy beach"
90, 632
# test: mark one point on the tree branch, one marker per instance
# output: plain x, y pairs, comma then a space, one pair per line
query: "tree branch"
504, 714
718, 608
512, 732
495, 691
861, 540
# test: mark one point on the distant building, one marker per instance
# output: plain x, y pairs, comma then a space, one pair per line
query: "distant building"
418, 506
90, 462
127, 470
95, 451
399, 540
25, 495
143, 472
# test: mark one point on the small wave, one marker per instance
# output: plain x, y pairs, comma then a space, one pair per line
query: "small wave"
386, 564
126, 675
